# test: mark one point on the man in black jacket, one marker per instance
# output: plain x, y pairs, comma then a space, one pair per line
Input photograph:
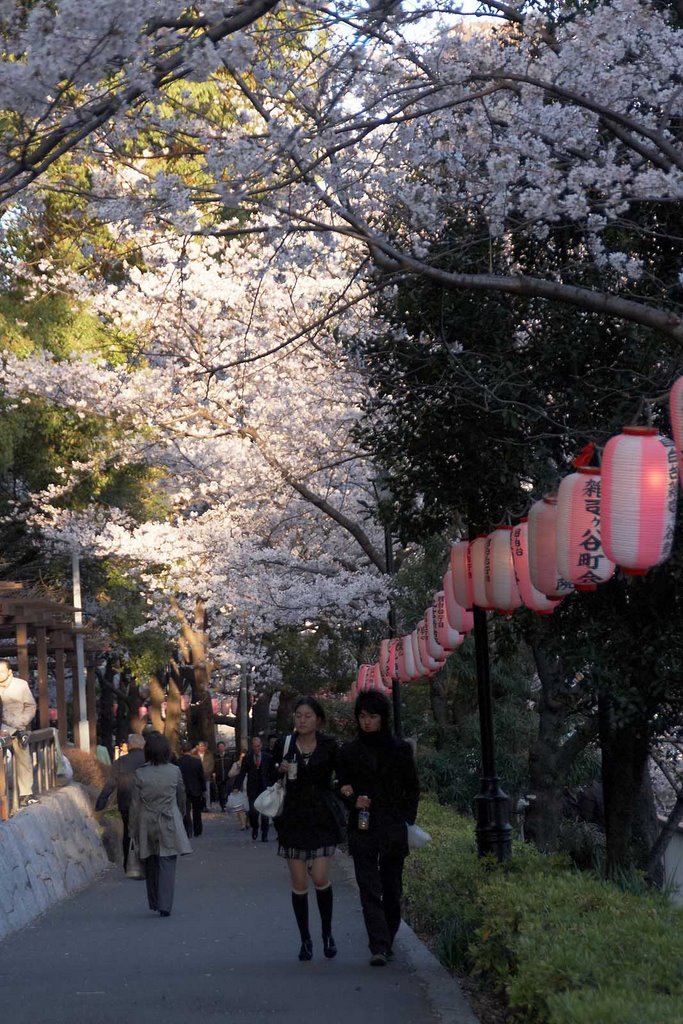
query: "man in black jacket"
378, 778
122, 779
221, 766
193, 778
257, 767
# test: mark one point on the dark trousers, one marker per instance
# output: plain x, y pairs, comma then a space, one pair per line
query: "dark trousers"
192, 819
254, 822
160, 878
380, 882
222, 793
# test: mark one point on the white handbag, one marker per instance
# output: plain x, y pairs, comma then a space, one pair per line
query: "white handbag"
417, 837
271, 801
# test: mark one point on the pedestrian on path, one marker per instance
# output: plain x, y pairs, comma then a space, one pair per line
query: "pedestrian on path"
193, 779
156, 821
257, 770
378, 778
122, 779
221, 768
307, 828
18, 708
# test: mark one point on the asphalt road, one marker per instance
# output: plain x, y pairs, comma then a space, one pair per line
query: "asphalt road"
227, 953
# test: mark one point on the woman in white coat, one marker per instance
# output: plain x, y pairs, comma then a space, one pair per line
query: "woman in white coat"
156, 821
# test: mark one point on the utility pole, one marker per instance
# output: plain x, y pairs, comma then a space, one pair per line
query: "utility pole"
395, 685
244, 707
82, 727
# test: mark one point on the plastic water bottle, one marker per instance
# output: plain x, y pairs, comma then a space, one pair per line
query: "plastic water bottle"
364, 819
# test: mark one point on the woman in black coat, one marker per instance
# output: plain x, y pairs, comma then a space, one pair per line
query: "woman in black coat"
307, 828
377, 775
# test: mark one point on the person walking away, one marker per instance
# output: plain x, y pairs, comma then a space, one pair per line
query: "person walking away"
193, 779
221, 768
18, 709
156, 821
206, 757
257, 768
378, 778
307, 829
122, 779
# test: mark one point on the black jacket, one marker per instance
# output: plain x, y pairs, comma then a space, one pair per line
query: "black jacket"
193, 774
221, 766
307, 821
257, 777
382, 768
122, 779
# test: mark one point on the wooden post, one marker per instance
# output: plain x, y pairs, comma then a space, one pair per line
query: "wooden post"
22, 650
43, 700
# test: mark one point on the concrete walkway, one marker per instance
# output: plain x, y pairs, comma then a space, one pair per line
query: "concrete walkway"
227, 953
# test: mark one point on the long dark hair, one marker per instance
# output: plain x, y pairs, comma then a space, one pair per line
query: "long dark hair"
157, 748
375, 703
314, 705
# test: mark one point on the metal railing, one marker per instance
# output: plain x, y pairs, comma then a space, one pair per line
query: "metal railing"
43, 747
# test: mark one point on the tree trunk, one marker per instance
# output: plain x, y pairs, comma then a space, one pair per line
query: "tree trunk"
552, 754
192, 643
625, 748
439, 706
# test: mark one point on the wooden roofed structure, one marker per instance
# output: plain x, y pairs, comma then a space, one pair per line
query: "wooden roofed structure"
35, 627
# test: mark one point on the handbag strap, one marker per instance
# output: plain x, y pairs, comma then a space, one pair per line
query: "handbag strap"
286, 746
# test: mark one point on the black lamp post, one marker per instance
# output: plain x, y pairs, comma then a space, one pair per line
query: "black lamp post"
492, 805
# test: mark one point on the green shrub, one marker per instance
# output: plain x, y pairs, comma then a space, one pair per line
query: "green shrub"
565, 947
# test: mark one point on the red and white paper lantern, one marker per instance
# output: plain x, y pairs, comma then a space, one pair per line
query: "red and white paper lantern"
676, 410
542, 537
420, 666
459, 617
532, 598
461, 567
430, 663
478, 561
387, 661
502, 592
434, 648
362, 678
580, 555
406, 659
446, 634
639, 495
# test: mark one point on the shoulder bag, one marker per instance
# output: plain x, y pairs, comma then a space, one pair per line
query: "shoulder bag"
271, 801
135, 868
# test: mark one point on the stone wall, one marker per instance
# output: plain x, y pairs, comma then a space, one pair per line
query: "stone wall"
47, 852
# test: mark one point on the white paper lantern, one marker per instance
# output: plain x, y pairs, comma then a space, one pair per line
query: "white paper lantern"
449, 637
460, 618
542, 539
580, 555
502, 592
639, 496
478, 561
462, 573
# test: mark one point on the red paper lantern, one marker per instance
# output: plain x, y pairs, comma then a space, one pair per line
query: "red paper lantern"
477, 560
532, 598
362, 678
446, 634
460, 618
580, 555
502, 592
543, 549
461, 567
639, 495
676, 410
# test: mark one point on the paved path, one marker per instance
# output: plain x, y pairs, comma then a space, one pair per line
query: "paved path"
227, 953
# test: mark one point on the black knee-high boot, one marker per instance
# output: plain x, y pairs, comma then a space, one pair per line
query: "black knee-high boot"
325, 902
300, 905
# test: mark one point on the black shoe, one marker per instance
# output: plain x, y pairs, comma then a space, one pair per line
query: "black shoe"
329, 947
306, 951
164, 913
254, 835
379, 960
